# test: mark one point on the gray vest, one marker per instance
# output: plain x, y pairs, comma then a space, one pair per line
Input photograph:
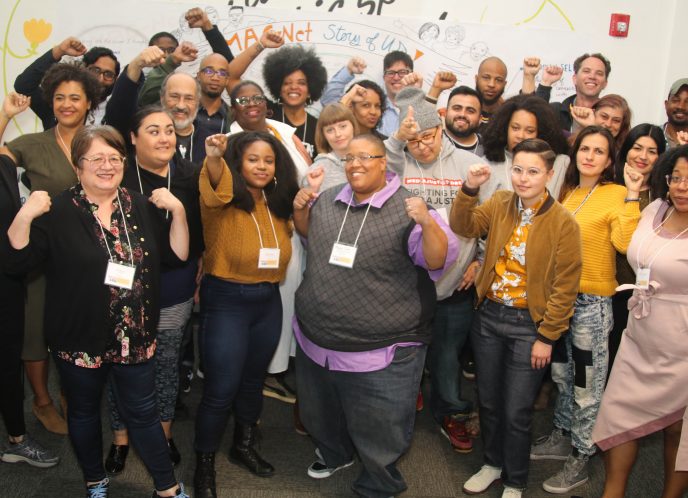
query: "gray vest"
384, 299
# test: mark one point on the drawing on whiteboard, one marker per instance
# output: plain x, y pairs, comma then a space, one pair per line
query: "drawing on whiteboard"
540, 9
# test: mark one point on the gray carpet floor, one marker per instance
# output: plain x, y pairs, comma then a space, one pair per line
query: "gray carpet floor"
431, 467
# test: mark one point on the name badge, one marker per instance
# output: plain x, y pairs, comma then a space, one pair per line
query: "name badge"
642, 278
268, 258
343, 255
119, 275
442, 211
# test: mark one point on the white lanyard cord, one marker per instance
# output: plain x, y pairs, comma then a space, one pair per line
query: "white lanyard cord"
169, 181
305, 124
655, 231
126, 231
574, 212
370, 203
274, 232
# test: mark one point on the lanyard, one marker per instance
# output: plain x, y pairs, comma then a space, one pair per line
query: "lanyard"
370, 203
124, 222
655, 231
260, 237
169, 181
575, 211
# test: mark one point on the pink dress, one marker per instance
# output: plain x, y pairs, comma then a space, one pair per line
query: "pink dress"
648, 386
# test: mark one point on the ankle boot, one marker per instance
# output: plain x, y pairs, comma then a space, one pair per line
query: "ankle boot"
204, 478
243, 452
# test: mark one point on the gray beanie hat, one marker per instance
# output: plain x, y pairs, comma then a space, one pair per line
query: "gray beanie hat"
424, 112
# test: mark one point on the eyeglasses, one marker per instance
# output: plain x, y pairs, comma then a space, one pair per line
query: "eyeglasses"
210, 72
530, 172
361, 158
676, 180
99, 161
427, 139
253, 99
107, 75
400, 73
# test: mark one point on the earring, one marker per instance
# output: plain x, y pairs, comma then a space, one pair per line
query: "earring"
668, 199
309, 101
274, 179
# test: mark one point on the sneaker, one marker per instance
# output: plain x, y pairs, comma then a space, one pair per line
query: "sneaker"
276, 387
512, 492
468, 370
482, 480
556, 446
199, 372
185, 378
320, 470
50, 418
31, 452
179, 493
420, 404
455, 432
98, 490
574, 474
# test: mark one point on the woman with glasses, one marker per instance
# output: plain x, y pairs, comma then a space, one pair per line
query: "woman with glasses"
526, 290
607, 215
107, 243
646, 390
247, 186
72, 93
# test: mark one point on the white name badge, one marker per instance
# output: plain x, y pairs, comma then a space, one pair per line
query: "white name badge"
642, 278
343, 255
268, 258
442, 211
119, 275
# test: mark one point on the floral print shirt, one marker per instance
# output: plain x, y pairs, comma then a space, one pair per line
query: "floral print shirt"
127, 314
509, 284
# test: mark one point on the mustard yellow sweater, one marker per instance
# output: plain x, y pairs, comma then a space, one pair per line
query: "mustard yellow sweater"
606, 224
231, 238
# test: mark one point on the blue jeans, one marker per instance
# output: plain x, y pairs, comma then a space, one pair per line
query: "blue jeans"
371, 413
450, 329
502, 339
135, 393
241, 325
582, 377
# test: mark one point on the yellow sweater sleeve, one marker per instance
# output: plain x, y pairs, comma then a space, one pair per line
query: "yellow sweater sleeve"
221, 195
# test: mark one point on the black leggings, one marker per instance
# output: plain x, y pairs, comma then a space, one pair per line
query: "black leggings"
11, 340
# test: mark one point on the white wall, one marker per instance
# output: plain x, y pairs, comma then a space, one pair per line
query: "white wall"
643, 65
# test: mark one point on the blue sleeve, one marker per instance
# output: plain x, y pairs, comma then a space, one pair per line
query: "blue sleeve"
334, 90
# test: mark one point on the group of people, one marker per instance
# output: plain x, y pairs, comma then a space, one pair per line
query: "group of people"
373, 240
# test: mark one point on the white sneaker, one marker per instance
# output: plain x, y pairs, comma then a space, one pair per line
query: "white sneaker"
511, 492
482, 480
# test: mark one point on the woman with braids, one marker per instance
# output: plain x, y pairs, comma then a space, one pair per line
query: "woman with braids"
73, 92
295, 77
519, 118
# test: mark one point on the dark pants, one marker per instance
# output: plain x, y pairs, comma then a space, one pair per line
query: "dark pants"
620, 313
502, 339
11, 342
450, 330
371, 413
241, 325
134, 387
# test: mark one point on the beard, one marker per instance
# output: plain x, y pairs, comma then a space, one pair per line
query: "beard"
461, 133
213, 95
487, 101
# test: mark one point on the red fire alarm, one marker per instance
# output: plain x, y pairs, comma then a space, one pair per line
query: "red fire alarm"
618, 26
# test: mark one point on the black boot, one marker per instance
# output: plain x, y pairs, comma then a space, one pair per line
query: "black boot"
243, 452
204, 478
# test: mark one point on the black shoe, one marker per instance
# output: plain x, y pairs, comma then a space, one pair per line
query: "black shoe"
175, 456
204, 478
243, 452
117, 457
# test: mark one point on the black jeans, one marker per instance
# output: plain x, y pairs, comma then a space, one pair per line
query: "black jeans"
134, 387
502, 339
11, 342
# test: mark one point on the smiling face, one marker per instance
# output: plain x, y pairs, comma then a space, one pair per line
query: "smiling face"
491, 80
252, 115
366, 176
591, 78
339, 135
463, 115
181, 101
592, 157
676, 108
294, 91
368, 112
610, 118
101, 179
522, 125
427, 145
155, 141
678, 192
258, 165
393, 81
70, 104
643, 155
529, 177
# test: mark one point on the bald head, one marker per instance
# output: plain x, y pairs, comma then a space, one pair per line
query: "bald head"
491, 80
213, 74
180, 95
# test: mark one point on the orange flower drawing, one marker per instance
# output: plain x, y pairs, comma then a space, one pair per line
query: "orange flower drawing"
36, 31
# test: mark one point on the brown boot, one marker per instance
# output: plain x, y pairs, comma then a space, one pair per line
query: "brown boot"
50, 418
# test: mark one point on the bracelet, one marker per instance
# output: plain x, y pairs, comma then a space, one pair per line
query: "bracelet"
632, 200
261, 47
432, 100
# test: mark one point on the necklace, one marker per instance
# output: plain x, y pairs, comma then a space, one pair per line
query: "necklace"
575, 211
305, 124
67, 150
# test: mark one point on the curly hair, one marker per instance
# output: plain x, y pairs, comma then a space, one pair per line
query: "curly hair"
572, 176
280, 194
548, 127
62, 72
664, 166
638, 131
281, 63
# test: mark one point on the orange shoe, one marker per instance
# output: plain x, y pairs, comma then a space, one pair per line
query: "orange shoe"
50, 418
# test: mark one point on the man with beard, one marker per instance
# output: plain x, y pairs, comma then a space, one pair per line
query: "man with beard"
490, 83
676, 107
101, 61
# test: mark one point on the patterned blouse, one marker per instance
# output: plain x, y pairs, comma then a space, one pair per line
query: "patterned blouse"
509, 284
127, 313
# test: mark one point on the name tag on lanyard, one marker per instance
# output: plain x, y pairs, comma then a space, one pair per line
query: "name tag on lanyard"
642, 278
120, 275
343, 255
268, 258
